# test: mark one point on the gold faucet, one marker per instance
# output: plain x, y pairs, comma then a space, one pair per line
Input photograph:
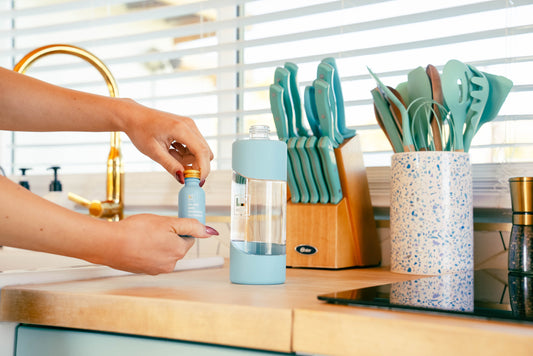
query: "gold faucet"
113, 207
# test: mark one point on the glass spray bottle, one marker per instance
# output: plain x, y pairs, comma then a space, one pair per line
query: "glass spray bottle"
258, 209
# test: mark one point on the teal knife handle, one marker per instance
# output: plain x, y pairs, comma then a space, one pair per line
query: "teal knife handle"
307, 170
312, 152
325, 72
296, 101
291, 180
325, 149
339, 100
310, 110
297, 170
281, 77
325, 117
334, 127
278, 112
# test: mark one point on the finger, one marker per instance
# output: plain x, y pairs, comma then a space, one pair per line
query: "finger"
184, 157
187, 157
181, 149
198, 147
192, 227
170, 163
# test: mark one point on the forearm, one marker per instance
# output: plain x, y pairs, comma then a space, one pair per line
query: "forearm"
28, 104
31, 222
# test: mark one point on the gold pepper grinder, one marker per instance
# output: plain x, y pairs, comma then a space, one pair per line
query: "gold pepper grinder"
521, 240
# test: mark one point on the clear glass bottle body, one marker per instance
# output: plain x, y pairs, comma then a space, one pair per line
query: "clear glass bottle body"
258, 211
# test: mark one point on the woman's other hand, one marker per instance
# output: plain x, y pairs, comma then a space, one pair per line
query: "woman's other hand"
151, 244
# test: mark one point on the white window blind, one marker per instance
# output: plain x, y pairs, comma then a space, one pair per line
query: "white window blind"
213, 60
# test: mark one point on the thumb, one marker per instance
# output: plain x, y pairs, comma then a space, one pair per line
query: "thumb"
192, 227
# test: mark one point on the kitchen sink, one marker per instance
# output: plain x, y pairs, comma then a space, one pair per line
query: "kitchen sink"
19, 266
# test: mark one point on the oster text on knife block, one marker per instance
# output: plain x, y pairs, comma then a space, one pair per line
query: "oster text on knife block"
336, 235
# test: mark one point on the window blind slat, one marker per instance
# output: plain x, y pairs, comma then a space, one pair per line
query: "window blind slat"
218, 68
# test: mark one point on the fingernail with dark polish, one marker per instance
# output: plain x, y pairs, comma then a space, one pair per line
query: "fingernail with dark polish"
180, 177
202, 182
211, 231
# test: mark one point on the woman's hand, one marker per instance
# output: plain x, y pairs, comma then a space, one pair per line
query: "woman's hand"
171, 140
151, 244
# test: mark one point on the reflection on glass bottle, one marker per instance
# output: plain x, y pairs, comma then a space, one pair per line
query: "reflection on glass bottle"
446, 292
521, 295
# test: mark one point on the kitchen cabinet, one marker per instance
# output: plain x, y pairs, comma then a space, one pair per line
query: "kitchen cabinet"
45, 341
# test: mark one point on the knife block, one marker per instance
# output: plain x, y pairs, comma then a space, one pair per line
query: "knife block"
339, 235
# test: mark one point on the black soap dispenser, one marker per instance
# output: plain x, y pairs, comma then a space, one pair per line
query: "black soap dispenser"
55, 185
24, 183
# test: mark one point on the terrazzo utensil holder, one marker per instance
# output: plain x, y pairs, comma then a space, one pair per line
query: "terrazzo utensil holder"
431, 213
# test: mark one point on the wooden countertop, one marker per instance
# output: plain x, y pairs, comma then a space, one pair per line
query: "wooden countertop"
203, 306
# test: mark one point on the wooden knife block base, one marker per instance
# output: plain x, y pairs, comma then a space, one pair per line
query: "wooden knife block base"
339, 235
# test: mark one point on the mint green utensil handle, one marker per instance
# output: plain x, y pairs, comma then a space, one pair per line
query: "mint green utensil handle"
388, 120
406, 129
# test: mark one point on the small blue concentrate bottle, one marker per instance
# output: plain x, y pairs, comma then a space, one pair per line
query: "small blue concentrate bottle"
258, 209
191, 199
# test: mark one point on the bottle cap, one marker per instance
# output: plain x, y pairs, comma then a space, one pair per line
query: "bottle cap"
192, 173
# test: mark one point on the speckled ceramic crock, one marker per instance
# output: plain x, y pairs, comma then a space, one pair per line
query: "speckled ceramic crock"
431, 213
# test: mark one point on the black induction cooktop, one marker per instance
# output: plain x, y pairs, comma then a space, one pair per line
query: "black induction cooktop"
491, 294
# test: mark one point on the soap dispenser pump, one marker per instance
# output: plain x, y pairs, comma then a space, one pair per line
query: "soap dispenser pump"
55, 191
24, 183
